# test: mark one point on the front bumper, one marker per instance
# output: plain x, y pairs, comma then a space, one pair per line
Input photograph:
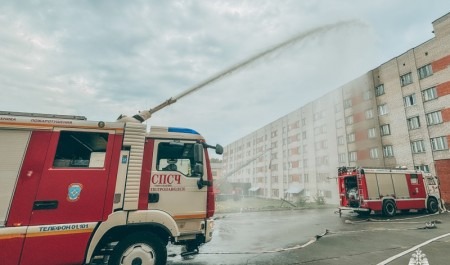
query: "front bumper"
209, 229
342, 208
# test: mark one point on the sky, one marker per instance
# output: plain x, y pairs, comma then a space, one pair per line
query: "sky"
100, 59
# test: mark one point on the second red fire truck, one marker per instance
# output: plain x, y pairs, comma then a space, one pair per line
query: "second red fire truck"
364, 190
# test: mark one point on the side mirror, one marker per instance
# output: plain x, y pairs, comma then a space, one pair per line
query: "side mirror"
198, 153
219, 149
198, 171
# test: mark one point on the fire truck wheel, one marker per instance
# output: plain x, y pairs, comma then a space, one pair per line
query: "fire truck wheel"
139, 249
389, 208
432, 205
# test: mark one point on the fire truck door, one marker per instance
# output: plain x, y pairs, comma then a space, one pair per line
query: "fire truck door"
13, 145
432, 185
173, 183
70, 197
416, 186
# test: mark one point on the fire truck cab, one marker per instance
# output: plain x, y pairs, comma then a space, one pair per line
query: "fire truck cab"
74, 191
387, 190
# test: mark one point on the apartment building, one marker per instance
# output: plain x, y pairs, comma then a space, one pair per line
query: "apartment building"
396, 115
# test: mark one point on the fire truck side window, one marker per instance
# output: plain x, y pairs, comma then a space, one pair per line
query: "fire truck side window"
175, 156
81, 149
414, 179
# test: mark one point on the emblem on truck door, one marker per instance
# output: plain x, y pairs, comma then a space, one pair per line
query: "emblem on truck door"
74, 192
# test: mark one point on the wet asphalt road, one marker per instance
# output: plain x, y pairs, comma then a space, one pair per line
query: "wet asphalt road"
289, 237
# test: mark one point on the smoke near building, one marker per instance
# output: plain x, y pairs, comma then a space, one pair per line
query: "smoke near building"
395, 116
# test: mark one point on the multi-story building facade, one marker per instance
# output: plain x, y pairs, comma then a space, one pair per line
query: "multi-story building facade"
396, 115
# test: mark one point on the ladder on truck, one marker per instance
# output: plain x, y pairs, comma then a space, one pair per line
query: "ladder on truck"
360, 189
43, 115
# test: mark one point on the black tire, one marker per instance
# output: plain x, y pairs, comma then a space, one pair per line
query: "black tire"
389, 209
139, 249
432, 205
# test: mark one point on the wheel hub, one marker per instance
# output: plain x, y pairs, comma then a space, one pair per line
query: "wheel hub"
138, 254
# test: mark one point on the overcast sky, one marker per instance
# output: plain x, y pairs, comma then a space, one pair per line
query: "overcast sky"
101, 59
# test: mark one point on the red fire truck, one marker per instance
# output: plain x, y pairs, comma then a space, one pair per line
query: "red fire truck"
387, 190
74, 191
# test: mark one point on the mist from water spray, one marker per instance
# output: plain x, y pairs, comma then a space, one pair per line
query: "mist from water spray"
146, 114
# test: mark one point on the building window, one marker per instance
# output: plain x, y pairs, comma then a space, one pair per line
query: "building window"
372, 133
323, 160
429, 94
369, 114
367, 95
348, 103
341, 140
274, 179
337, 108
379, 90
434, 118
388, 151
418, 146
324, 144
275, 192
425, 71
351, 137
406, 79
273, 134
374, 153
323, 177
410, 100
317, 116
352, 156
274, 167
424, 168
349, 120
321, 145
413, 123
383, 109
342, 158
439, 143
385, 129
317, 146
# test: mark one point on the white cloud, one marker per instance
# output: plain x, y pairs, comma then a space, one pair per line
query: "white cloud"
103, 58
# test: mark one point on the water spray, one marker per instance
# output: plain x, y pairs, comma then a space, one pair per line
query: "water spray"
146, 114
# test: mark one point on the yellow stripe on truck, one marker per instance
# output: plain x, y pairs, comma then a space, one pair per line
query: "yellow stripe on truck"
190, 216
46, 230
60, 233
